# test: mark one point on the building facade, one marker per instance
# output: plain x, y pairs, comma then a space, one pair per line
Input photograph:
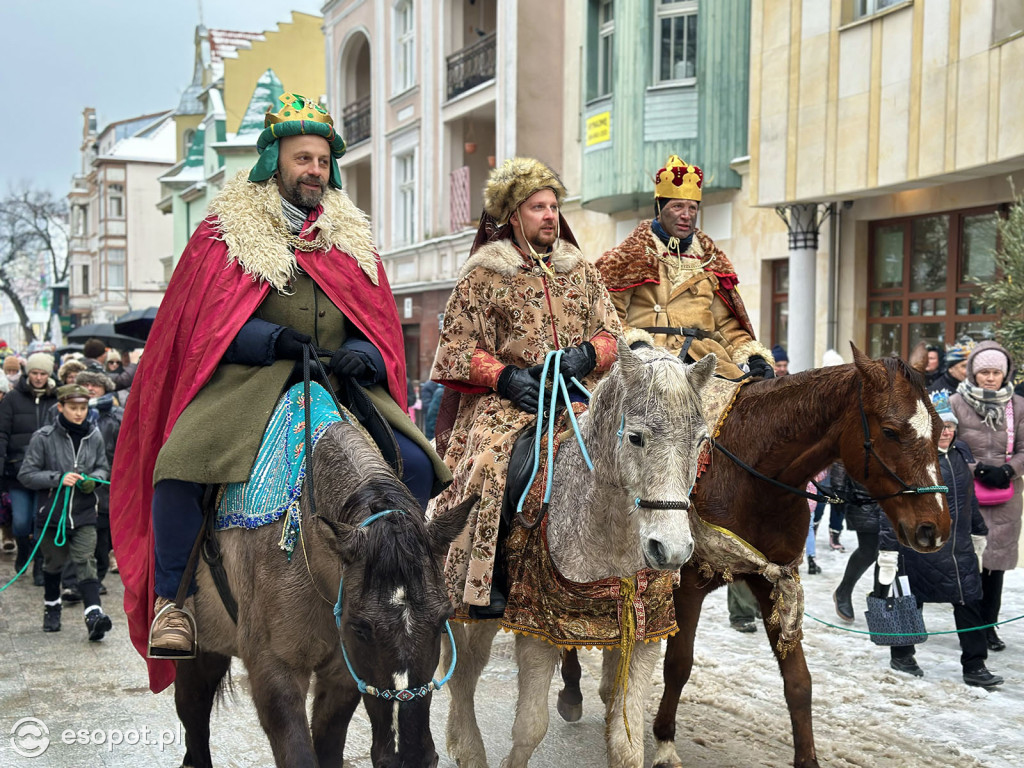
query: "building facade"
115, 230
898, 122
430, 97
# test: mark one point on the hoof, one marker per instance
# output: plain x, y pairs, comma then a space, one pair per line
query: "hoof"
570, 706
673, 764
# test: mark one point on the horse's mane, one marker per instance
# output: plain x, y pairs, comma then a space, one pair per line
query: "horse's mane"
667, 377
899, 366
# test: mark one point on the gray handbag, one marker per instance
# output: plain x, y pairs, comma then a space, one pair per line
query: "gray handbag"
895, 619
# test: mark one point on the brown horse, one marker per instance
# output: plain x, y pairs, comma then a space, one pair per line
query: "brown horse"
874, 416
369, 535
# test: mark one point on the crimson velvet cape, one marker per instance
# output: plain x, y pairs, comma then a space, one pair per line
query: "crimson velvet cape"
207, 301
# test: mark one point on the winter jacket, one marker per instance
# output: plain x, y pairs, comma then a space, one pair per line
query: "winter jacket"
21, 414
989, 447
51, 453
859, 518
950, 575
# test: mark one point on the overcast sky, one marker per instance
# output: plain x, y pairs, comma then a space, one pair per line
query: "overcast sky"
124, 57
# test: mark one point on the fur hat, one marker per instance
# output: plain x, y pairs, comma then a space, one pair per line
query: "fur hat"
95, 377
514, 181
40, 361
71, 366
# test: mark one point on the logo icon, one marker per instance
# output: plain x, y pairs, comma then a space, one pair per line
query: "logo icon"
30, 737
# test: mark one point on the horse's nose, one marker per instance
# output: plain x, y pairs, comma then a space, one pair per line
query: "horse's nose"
926, 535
667, 557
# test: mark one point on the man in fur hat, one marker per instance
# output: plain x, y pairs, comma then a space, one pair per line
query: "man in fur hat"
283, 259
525, 290
669, 279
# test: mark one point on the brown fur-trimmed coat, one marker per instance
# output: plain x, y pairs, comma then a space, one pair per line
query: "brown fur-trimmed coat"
639, 283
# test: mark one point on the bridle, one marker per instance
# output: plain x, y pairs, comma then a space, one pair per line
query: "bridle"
835, 497
406, 694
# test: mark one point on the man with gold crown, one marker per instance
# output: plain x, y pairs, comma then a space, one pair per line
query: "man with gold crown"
670, 280
525, 290
283, 260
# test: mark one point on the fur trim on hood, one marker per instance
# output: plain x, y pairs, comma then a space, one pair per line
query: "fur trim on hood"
250, 220
503, 257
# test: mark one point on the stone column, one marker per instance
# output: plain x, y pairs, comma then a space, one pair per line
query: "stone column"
804, 223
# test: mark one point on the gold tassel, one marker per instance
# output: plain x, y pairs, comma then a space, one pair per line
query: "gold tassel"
627, 634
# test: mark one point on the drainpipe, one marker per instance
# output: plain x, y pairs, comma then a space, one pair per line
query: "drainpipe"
834, 244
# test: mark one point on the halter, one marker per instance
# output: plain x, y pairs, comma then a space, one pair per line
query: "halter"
855, 498
406, 694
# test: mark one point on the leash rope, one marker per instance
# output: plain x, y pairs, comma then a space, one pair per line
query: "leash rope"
913, 634
60, 537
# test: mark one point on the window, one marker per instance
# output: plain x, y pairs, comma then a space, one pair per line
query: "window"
675, 42
405, 198
1007, 20
404, 75
81, 220
780, 302
862, 8
84, 278
115, 269
605, 47
923, 275
115, 201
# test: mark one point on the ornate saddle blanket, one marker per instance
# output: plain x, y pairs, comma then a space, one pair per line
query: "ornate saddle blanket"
607, 613
272, 490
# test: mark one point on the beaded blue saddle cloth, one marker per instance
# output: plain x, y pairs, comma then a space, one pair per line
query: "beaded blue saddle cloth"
272, 490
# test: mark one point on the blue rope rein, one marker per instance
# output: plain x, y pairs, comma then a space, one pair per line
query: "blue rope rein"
63, 495
406, 694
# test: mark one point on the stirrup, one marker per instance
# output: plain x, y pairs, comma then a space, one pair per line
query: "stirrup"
171, 655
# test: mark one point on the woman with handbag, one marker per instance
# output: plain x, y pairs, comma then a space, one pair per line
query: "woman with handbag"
991, 420
949, 575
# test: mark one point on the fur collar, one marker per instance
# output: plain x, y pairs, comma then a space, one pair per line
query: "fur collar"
250, 219
503, 257
635, 259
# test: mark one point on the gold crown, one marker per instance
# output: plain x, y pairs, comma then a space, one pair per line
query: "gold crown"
679, 180
297, 107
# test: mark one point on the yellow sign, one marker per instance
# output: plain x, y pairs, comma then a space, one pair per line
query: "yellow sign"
599, 128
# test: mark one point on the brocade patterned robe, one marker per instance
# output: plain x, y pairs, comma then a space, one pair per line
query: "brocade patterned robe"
505, 311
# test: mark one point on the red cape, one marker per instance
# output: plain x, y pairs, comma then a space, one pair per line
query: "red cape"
206, 303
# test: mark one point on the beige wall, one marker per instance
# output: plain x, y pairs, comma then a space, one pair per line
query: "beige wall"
150, 234
295, 51
900, 99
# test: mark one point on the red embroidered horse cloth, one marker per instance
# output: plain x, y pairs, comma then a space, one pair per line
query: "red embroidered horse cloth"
601, 614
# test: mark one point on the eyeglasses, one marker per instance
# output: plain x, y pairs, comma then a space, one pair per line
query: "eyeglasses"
949, 427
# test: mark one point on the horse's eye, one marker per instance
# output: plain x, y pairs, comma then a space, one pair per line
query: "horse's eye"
891, 434
636, 439
362, 630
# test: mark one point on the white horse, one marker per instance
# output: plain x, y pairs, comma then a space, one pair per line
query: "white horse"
643, 430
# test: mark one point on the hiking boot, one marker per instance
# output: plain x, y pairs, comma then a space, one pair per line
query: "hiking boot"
51, 618
103, 588
833, 540
744, 625
908, 665
98, 624
172, 635
844, 606
982, 678
71, 595
994, 643
493, 610
812, 566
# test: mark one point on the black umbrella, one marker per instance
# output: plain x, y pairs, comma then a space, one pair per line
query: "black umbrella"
104, 332
136, 323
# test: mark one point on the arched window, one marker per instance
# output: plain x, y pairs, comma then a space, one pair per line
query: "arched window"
403, 75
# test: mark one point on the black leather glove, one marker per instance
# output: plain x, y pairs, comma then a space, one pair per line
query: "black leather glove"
519, 386
988, 474
1008, 473
351, 364
578, 361
759, 367
289, 344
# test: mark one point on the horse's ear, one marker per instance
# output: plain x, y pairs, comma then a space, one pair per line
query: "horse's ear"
443, 530
868, 368
628, 359
918, 357
700, 373
346, 540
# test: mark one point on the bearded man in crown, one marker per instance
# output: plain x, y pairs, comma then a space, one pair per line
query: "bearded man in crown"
668, 279
284, 260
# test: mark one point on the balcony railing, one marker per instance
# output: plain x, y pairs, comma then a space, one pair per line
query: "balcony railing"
472, 65
356, 119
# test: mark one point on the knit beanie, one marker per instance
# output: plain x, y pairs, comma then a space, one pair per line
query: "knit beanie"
40, 361
779, 353
831, 357
985, 359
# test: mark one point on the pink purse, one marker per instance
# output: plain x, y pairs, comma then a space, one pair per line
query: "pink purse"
987, 495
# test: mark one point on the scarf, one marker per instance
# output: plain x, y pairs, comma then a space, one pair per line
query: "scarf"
989, 404
75, 431
674, 244
294, 215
